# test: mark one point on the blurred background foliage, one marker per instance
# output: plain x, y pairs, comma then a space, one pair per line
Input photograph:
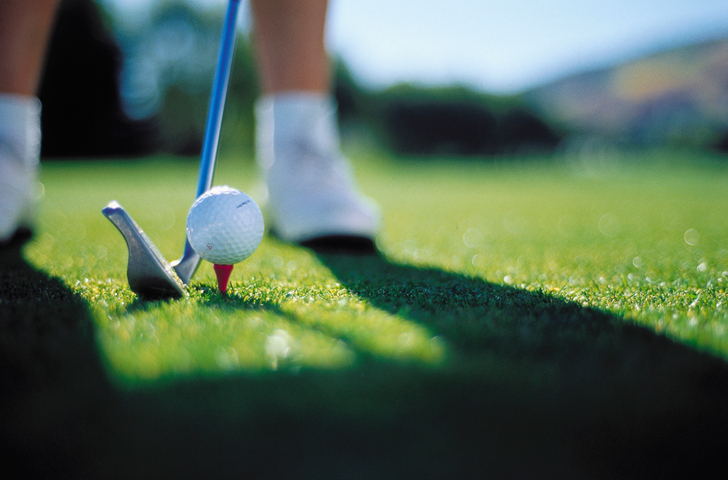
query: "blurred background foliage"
126, 89
114, 88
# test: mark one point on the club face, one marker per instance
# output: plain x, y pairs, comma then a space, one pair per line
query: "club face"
186, 266
149, 274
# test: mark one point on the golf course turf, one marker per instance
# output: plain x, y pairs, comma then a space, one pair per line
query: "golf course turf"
560, 317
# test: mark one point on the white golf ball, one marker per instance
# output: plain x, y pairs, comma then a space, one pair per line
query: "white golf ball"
224, 226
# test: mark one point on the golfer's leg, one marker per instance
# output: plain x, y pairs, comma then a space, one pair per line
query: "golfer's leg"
25, 27
289, 43
311, 193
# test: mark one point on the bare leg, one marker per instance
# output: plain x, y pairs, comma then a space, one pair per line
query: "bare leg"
312, 197
25, 27
289, 43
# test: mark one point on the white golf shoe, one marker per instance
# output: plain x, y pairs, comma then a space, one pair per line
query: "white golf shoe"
17, 197
312, 197
19, 165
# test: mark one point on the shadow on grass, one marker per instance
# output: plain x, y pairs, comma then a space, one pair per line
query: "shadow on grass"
534, 387
61, 418
550, 385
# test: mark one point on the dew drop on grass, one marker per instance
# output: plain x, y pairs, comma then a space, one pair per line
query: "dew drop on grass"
609, 225
691, 237
278, 347
478, 260
227, 358
472, 237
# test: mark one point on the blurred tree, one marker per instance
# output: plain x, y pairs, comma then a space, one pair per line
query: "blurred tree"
170, 65
82, 113
444, 128
523, 132
456, 121
143, 88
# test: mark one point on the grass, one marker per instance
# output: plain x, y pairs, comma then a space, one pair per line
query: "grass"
549, 318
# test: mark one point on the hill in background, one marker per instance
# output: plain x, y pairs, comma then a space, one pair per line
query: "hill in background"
675, 97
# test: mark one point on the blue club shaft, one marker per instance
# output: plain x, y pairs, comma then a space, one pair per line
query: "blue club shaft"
217, 99
186, 266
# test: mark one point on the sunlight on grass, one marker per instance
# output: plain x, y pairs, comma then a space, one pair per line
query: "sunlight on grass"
273, 317
258, 326
647, 241
644, 239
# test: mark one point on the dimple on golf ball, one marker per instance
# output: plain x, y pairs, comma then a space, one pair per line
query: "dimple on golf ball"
224, 226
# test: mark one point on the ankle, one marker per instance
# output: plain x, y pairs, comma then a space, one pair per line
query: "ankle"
20, 129
295, 120
19, 162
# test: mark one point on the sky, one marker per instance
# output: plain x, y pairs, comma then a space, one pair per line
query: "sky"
499, 47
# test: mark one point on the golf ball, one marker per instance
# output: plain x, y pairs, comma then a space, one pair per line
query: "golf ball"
224, 226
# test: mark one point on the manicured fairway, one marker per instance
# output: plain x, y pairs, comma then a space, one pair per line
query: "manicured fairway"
558, 317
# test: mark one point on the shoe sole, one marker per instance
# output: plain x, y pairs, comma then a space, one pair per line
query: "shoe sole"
11, 250
20, 237
341, 244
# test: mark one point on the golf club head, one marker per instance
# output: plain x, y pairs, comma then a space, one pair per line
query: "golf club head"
186, 266
149, 274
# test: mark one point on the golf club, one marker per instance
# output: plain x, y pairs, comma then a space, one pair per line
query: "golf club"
149, 274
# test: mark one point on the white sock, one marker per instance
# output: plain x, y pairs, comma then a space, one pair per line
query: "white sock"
19, 161
20, 127
295, 118
310, 190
